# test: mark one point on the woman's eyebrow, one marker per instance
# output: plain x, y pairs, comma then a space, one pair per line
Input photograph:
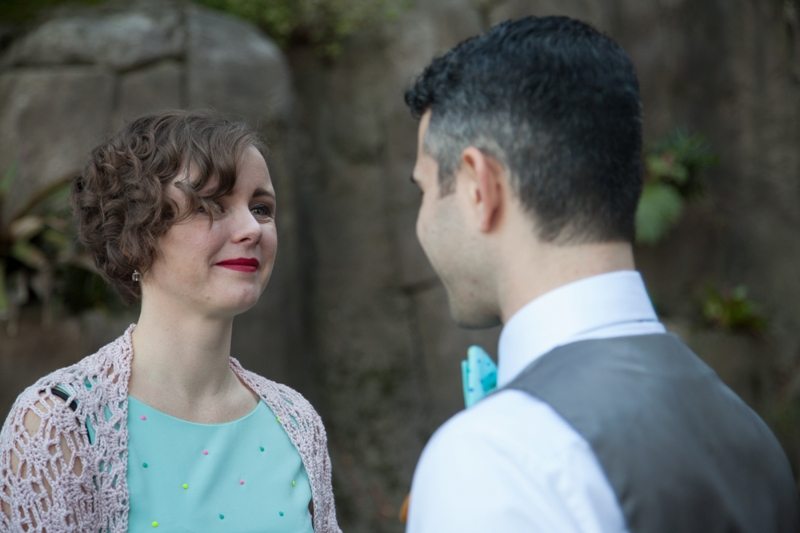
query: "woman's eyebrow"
263, 192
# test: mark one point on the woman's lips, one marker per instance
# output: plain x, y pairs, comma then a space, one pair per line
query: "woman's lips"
240, 264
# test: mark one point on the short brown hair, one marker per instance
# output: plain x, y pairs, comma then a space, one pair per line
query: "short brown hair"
120, 201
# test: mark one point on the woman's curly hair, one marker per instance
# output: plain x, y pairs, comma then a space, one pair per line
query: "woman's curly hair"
121, 202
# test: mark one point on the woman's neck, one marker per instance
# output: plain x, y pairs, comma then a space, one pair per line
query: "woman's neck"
181, 366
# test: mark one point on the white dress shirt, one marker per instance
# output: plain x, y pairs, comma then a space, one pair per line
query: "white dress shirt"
510, 463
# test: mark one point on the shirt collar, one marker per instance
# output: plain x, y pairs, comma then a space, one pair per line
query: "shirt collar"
588, 308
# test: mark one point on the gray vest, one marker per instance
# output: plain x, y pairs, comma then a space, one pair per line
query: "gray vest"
681, 451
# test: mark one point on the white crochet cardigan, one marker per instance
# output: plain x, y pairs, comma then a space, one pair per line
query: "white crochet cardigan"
65, 483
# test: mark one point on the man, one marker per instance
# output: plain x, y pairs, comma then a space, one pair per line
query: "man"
529, 166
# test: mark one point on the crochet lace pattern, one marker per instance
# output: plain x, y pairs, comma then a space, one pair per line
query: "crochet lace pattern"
56, 478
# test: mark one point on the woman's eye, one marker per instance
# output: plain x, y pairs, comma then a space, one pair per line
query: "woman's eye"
262, 210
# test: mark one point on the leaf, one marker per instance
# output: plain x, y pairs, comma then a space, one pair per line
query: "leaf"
24, 228
733, 310
59, 223
42, 197
29, 255
659, 209
665, 167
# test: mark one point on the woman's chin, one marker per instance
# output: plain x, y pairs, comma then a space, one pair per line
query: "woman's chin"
235, 307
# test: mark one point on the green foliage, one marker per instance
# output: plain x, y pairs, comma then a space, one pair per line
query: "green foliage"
732, 310
673, 175
40, 261
324, 24
660, 207
20, 11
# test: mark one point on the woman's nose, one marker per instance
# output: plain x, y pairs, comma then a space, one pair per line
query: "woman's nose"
245, 226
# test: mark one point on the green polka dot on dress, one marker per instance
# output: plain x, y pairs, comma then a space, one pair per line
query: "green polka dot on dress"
199, 483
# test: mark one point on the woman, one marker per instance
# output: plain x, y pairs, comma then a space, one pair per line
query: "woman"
162, 429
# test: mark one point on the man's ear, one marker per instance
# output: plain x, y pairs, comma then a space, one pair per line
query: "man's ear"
484, 180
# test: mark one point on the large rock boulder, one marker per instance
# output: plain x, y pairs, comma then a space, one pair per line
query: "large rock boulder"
119, 39
73, 79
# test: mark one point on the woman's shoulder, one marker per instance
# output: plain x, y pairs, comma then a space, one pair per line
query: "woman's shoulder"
306, 431
45, 430
76, 381
282, 399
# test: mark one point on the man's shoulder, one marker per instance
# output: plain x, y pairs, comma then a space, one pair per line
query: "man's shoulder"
510, 424
510, 460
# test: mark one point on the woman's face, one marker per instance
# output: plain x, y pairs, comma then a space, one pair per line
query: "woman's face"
219, 268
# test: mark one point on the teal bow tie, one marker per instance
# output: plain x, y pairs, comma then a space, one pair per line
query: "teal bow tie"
478, 375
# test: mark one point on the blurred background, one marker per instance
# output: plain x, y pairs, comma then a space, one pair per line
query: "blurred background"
354, 317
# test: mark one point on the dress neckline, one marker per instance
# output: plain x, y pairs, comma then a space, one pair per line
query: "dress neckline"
143, 406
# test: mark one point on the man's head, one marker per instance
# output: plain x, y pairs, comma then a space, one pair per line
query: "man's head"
557, 103
536, 126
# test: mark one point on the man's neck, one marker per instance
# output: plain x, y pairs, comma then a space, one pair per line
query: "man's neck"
532, 271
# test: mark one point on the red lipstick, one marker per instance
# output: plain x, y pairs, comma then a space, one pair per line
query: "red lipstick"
240, 264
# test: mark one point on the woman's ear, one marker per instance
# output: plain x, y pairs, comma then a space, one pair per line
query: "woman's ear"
483, 179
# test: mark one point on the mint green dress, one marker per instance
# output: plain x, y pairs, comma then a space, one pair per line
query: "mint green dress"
236, 477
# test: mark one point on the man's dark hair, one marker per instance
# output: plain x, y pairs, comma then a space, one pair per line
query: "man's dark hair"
557, 103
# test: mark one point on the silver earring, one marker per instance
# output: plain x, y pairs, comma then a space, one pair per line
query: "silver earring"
136, 276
